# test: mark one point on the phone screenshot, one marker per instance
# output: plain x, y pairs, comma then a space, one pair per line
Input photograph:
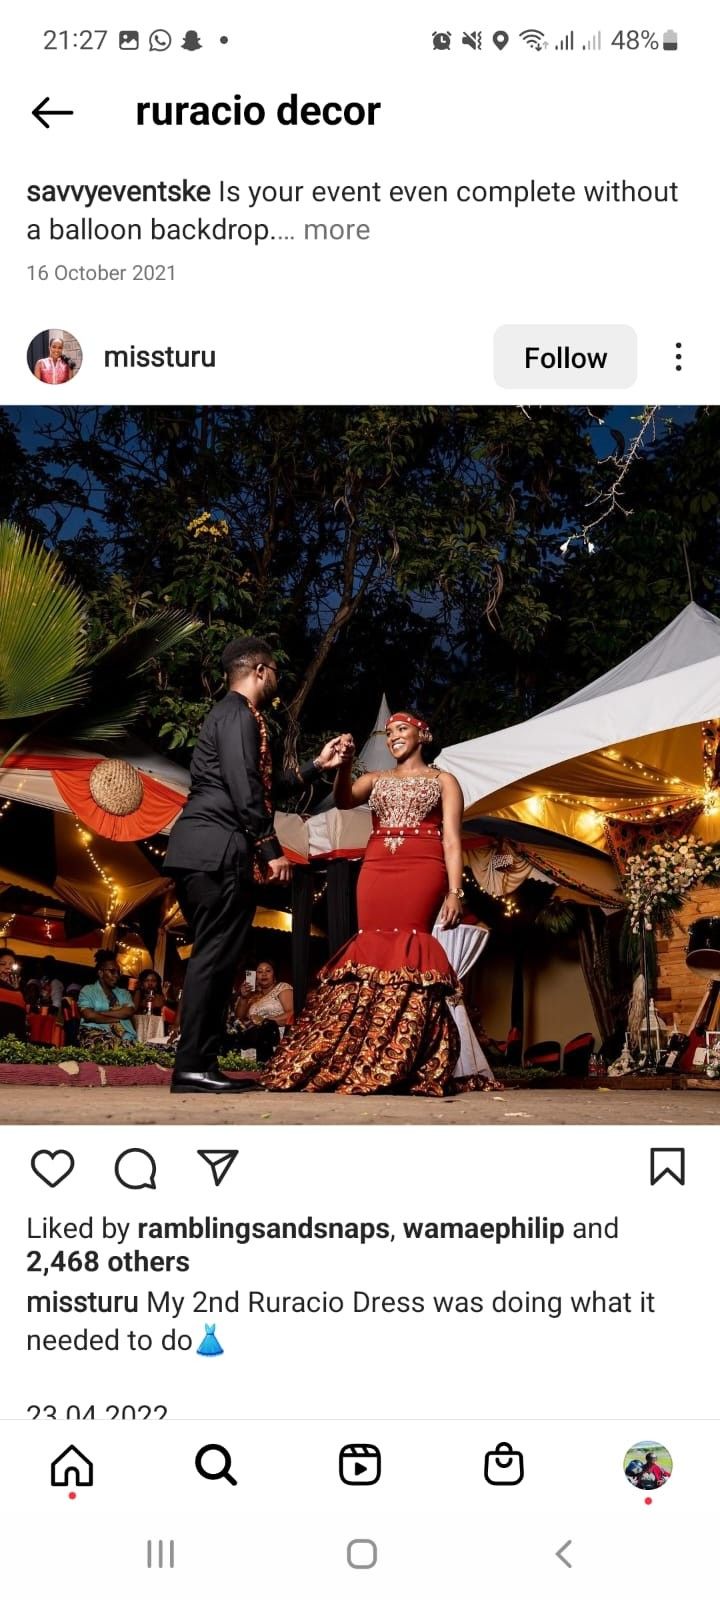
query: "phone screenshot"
359, 799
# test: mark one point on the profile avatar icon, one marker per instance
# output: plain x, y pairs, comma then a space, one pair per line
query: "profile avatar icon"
648, 1466
191, 41
441, 41
210, 1346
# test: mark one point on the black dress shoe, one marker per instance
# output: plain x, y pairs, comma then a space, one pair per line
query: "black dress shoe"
210, 1082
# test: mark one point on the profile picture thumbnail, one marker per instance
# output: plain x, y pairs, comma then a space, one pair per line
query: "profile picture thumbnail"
648, 1465
54, 356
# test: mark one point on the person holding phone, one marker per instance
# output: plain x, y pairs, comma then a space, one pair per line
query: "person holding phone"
12, 999
262, 1010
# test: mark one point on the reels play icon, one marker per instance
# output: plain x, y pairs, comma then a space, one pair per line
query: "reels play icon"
360, 1464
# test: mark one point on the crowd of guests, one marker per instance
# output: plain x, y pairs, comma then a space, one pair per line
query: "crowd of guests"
44, 1010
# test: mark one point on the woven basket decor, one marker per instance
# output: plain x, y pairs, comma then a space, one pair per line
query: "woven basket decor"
116, 787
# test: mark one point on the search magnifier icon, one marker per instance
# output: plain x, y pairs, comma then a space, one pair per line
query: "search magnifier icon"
213, 1461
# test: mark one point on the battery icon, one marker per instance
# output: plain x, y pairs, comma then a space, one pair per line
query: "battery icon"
670, 40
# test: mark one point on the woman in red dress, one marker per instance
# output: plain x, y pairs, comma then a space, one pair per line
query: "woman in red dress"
379, 1019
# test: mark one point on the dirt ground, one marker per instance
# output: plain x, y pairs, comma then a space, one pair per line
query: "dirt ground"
520, 1107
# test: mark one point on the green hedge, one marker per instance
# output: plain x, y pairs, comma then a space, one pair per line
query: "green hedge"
19, 1052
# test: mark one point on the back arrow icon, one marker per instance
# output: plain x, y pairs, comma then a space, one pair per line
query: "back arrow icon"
43, 110
561, 1556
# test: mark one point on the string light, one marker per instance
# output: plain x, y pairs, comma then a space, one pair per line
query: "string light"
110, 884
7, 925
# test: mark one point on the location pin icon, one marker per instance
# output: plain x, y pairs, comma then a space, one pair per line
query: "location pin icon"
501, 39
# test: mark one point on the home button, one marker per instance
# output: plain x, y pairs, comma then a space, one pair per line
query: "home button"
71, 1470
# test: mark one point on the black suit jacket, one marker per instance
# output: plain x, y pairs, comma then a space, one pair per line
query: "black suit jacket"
224, 818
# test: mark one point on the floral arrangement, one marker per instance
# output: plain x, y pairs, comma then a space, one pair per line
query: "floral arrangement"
658, 880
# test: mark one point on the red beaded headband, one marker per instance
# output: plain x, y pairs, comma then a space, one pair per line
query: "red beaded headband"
404, 716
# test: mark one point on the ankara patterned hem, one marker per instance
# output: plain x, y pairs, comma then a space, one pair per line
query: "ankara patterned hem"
368, 1030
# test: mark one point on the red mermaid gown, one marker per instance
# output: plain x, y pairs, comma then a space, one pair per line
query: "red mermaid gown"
378, 1019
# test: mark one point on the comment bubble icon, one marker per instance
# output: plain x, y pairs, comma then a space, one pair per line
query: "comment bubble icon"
160, 39
135, 1169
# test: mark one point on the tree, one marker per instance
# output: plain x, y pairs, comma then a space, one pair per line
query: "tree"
320, 526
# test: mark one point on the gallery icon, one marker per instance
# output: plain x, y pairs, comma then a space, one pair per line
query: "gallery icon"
360, 1465
504, 1467
71, 1470
128, 39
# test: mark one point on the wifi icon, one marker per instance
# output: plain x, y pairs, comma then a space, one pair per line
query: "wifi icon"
534, 37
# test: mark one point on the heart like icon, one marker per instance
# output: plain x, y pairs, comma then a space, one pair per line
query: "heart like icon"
53, 1166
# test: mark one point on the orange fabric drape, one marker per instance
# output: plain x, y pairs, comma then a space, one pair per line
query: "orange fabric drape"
158, 807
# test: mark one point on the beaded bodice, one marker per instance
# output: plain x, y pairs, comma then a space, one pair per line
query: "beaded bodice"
405, 802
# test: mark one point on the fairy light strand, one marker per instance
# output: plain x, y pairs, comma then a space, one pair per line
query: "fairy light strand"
110, 884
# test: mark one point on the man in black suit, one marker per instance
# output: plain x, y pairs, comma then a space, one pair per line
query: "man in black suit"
228, 820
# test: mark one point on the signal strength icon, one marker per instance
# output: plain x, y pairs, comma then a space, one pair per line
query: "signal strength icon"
568, 43
595, 43
533, 37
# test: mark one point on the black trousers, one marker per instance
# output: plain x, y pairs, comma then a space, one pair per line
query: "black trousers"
219, 908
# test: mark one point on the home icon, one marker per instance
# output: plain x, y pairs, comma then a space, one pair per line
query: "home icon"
71, 1470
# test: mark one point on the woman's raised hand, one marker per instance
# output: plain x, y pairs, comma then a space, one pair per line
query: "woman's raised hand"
338, 752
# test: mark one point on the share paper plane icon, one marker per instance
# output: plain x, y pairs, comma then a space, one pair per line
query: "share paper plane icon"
219, 1162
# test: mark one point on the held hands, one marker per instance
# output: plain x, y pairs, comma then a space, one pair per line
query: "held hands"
450, 912
279, 870
338, 752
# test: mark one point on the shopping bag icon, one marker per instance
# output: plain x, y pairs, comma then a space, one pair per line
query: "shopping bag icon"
503, 1465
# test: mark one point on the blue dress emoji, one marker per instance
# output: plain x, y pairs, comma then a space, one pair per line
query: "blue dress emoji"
210, 1345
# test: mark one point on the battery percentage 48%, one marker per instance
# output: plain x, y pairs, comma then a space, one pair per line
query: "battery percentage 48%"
636, 39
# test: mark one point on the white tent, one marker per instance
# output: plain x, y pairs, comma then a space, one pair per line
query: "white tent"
329, 832
632, 742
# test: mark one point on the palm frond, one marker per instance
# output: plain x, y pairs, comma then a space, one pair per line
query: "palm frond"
42, 621
151, 636
113, 700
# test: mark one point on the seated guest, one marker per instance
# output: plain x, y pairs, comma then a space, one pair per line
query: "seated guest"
106, 1010
52, 984
171, 1005
38, 1019
12, 1000
261, 1012
149, 993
